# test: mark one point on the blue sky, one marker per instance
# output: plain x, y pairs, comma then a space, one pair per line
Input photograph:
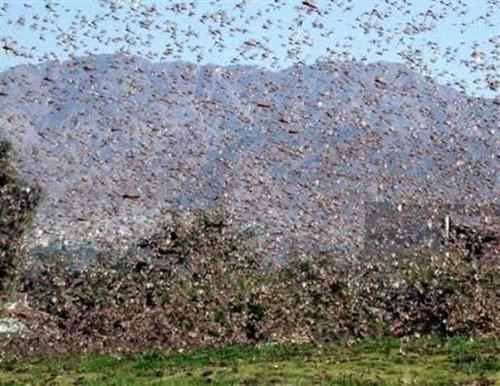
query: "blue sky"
267, 33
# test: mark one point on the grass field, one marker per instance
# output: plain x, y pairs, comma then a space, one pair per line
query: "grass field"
367, 362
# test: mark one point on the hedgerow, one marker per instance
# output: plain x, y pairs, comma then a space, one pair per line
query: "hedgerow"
199, 282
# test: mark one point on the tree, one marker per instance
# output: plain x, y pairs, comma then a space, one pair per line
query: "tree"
17, 201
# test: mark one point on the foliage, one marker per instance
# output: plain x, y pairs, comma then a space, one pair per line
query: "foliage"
198, 282
16, 204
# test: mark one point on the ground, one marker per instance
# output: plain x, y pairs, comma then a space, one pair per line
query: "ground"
367, 362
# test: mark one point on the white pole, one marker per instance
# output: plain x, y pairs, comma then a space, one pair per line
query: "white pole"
446, 227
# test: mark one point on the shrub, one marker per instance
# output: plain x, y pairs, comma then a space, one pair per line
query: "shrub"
198, 282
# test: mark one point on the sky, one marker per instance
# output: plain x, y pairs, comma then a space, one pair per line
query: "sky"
455, 41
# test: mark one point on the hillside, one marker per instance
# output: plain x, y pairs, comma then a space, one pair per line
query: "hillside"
115, 141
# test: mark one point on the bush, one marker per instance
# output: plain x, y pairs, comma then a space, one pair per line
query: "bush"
198, 282
17, 202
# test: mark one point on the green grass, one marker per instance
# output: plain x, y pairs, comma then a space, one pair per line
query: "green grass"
367, 362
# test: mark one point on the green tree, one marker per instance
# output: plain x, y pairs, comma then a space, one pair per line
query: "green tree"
17, 201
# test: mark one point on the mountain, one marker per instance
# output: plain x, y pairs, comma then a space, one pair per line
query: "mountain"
115, 141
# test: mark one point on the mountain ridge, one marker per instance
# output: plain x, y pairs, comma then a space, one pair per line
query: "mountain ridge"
293, 152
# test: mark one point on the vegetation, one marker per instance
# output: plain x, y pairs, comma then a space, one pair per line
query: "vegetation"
198, 283
16, 203
198, 288
367, 362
